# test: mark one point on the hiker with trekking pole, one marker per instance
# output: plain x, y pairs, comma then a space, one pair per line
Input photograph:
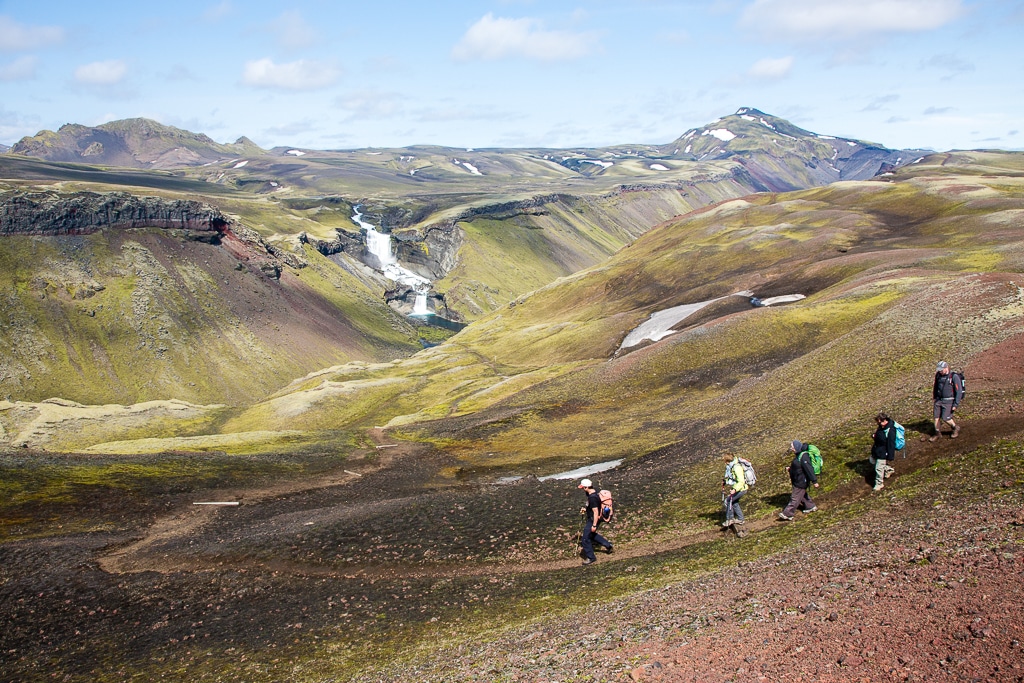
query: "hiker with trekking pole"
593, 513
737, 479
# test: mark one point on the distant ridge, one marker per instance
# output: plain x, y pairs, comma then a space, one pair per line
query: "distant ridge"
131, 143
783, 156
776, 155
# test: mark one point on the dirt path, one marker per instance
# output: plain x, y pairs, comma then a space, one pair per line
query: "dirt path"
135, 556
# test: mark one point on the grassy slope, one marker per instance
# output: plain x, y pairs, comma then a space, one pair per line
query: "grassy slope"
878, 261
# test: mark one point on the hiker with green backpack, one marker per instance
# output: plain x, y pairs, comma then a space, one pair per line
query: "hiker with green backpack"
883, 450
802, 475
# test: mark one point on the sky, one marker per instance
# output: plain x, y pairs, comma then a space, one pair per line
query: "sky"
929, 74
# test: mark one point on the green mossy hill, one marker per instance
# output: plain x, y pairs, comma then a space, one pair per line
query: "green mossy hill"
543, 380
122, 316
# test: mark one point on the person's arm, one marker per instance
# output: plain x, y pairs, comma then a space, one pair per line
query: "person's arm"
890, 442
958, 390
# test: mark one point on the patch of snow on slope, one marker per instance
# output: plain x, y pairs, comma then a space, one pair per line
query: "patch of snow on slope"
659, 167
604, 164
660, 324
240, 164
472, 169
296, 153
747, 117
767, 124
723, 134
784, 299
687, 150
851, 144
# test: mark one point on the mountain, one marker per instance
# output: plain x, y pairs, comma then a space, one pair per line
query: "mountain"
131, 143
3, 148
783, 156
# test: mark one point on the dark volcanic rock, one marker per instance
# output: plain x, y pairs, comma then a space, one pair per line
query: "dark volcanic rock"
50, 213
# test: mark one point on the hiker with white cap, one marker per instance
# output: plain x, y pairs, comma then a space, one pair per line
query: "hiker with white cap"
591, 521
947, 392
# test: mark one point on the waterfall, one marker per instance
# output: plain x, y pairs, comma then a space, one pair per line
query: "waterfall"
379, 244
420, 308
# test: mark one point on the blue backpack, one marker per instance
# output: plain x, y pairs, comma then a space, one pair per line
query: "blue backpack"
901, 435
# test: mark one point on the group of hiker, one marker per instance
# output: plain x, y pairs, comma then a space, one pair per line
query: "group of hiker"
804, 469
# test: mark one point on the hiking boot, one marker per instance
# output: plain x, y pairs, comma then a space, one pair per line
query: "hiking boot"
956, 432
878, 487
784, 517
609, 550
586, 562
813, 509
889, 471
727, 523
739, 521
934, 437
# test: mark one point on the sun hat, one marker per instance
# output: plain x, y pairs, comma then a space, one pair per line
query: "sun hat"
585, 484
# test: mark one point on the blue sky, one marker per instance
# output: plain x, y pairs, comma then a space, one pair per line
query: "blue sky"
939, 74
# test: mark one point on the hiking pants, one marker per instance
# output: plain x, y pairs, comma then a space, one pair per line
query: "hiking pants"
881, 465
589, 538
797, 497
732, 505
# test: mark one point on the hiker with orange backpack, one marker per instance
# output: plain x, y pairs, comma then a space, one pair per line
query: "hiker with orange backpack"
592, 519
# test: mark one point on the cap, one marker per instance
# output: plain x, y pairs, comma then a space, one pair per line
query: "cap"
585, 484
941, 366
797, 445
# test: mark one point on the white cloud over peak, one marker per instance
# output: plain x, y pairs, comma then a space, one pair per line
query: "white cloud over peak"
499, 38
303, 74
840, 18
20, 69
16, 37
110, 72
771, 69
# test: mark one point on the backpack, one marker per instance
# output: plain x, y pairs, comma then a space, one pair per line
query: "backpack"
963, 382
607, 505
901, 435
817, 462
748, 472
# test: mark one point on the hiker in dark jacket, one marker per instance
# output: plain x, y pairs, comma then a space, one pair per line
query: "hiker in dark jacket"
947, 392
883, 450
591, 521
801, 475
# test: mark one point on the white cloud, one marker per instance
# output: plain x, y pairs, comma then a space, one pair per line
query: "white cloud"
771, 69
498, 38
303, 74
15, 37
812, 19
21, 69
293, 32
110, 72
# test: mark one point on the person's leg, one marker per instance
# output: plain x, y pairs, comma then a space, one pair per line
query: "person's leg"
601, 540
588, 543
880, 472
738, 513
937, 414
795, 498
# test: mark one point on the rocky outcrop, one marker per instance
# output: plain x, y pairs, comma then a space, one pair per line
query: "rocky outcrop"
82, 213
